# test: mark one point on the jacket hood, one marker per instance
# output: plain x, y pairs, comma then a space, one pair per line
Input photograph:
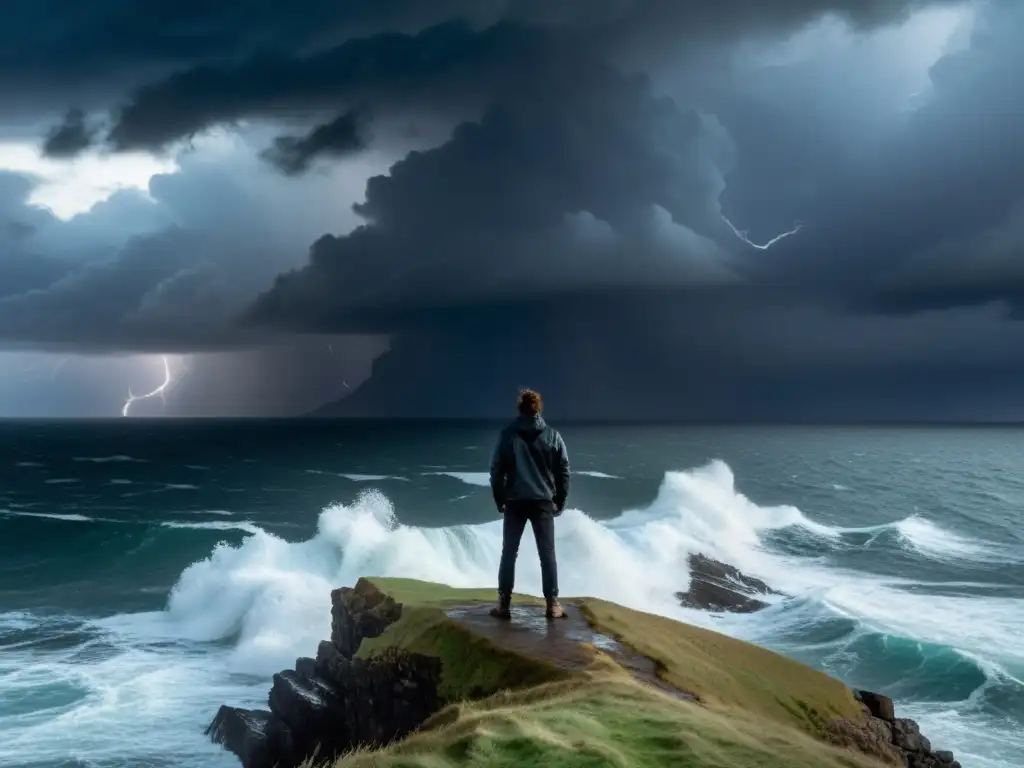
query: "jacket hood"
530, 424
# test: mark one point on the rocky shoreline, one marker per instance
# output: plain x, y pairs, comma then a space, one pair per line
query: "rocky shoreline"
337, 702
331, 704
901, 737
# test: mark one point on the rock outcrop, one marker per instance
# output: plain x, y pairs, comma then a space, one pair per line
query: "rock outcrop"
717, 586
335, 702
897, 740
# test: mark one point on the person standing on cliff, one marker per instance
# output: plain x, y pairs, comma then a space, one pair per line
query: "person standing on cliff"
530, 482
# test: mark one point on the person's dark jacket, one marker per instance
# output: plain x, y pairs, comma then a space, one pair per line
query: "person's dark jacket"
530, 464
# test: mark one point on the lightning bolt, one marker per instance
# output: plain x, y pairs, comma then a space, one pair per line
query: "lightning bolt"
160, 391
742, 235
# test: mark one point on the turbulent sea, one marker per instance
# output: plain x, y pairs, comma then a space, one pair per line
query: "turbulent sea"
150, 571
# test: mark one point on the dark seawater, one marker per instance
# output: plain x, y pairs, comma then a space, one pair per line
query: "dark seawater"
150, 571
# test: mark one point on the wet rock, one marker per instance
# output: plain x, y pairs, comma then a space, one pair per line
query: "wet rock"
717, 586
929, 760
360, 612
305, 666
245, 733
866, 740
881, 729
896, 740
361, 702
906, 734
335, 702
878, 705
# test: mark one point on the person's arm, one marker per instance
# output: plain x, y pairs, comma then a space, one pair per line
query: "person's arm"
499, 473
562, 473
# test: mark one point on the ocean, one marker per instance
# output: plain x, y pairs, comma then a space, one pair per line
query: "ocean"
153, 570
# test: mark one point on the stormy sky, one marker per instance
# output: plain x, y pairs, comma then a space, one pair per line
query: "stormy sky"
731, 211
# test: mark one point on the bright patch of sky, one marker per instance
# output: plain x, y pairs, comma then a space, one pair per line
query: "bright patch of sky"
70, 187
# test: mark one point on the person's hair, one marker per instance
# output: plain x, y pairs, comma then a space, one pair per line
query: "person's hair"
529, 402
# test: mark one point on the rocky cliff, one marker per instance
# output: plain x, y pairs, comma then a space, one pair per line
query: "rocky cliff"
400, 651
335, 702
898, 738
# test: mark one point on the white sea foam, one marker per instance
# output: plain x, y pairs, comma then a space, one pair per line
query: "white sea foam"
51, 516
595, 473
274, 595
929, 539
482, 479
162, 695
358, 478
16, 620
216, 525
271, 599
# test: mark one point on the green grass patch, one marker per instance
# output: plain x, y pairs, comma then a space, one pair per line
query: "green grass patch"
471, 666
601, 720
727, 673
721, 671
757, 709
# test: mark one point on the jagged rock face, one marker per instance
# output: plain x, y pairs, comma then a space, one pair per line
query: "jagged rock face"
335, 702
245, 732
879, 706
717, 586
358, 612
897, 740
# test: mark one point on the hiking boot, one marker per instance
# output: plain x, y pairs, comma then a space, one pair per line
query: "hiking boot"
502, 609
555, 610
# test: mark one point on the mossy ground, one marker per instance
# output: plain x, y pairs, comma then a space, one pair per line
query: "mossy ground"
471, 666
726, 673
758, 709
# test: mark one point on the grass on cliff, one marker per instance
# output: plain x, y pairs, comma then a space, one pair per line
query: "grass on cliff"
602, 719
757, 709
471, 666
722, 672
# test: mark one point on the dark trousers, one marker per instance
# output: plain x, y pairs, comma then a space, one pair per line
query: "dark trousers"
543, 523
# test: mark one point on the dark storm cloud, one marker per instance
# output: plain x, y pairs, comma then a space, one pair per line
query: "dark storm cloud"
697, 358
154, 291
93, 39
568, 234
341, 137
236, 60
69, 138
930, 218
446, 67
602, 185
175, 288
474, 278
21, 267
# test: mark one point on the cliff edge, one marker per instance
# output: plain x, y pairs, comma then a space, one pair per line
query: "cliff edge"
418, 674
